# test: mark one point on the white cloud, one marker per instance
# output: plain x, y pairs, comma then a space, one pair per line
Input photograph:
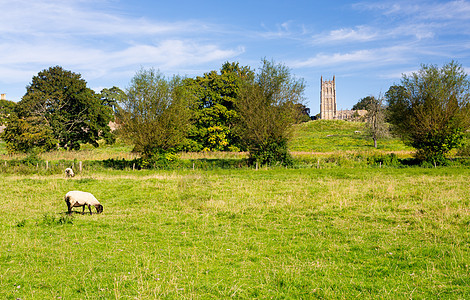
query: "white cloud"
360, 33
356, 59
74, 34
421, 10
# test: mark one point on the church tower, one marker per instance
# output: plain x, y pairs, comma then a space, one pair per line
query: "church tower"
328, 99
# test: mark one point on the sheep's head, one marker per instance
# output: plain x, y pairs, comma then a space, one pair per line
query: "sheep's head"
99, 208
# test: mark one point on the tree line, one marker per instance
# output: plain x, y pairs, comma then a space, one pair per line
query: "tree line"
429, 110
233, 109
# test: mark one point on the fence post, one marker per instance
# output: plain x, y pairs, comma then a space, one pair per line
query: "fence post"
256, 165
193, 166
47, 165
80, 166
133, 167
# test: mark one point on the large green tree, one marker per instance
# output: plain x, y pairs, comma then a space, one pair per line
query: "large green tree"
363, 103
156, 113
6, 108
60, 104
27, 134
112, 97
430, 110
214, 114
268, 106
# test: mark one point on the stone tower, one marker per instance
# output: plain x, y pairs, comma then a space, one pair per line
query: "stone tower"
328, 99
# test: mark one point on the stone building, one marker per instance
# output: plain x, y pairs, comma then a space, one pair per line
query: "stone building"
328, 109
327, 99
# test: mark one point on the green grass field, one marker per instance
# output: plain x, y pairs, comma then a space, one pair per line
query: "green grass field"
311, 233
337, 135
337, 230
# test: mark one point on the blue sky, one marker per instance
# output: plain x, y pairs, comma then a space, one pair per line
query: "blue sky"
367, 45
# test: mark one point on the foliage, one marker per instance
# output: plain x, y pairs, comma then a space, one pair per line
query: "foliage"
27, 134
156, 113
363, 103
268, 108
214, 114
304, 112
430, 110
112, 97
64, 108
6, 108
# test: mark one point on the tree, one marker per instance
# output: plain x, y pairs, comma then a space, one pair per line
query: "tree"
112, 97
156, 113
268, 106
430, 110
375, 118
363, 103
214, 114
6, 108
304, 112
27, 134
61, 104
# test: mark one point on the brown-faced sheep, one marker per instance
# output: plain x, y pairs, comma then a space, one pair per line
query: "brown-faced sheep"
78, 198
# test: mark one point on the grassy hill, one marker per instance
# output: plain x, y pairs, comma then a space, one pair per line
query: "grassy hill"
337, 135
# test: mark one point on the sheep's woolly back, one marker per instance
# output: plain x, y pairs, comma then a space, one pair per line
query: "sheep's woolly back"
79, 198
69, 172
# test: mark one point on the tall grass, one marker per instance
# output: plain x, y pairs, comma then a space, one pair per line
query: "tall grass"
305, 233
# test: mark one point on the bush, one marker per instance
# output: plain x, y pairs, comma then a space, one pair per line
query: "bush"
270, 153
385, 160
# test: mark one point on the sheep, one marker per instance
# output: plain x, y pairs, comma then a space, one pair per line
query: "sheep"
69, 172
78, 198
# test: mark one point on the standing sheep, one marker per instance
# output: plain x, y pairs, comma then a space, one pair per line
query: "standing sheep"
69, 172
78, 198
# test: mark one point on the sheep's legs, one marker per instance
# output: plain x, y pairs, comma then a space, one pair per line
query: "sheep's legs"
89, 207
83, 210
69, 207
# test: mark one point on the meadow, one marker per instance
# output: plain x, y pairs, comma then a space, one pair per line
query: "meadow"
340, 232
324, 136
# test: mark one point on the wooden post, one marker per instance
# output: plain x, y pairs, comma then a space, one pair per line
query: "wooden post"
133, 167
193, 166
256, 165
47, 165
80, 166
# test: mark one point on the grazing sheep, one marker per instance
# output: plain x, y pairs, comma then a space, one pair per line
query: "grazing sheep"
78, 198
69, 172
